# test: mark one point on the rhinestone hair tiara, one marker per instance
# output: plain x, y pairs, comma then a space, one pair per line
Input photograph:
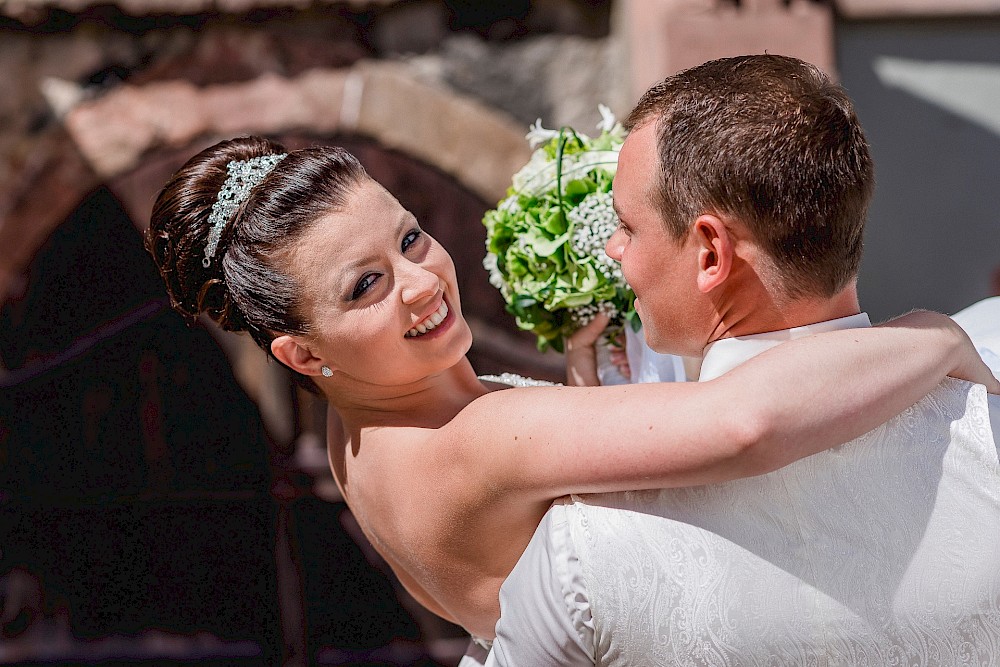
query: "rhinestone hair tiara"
244, 176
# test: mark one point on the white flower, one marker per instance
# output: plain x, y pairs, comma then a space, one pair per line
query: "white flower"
539, 174
509, 204
496, 278
538, 135
582, 315
534, 177
609, 123
607, 118
594, 221
584, 162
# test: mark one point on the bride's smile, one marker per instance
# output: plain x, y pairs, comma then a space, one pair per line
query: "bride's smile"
438, 322
379, 291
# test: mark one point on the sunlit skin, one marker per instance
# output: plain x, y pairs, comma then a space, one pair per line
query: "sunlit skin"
449, 478
714, 282
369, 276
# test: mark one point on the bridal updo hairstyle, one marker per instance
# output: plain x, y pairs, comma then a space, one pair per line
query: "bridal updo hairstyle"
245, 287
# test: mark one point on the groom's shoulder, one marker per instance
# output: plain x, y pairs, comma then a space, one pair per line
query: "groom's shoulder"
953, 409
953, 394
993, 403
960, 401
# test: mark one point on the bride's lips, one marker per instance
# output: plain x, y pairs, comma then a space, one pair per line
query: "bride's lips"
440, 328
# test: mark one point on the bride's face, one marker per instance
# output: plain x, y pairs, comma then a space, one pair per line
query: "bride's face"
380, 293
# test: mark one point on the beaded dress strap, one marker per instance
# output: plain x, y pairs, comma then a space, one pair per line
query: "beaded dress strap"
515, 380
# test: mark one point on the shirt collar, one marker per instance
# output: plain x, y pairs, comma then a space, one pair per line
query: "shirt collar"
727, 353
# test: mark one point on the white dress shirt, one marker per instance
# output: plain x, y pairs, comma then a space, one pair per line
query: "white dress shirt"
885, 550
726, 354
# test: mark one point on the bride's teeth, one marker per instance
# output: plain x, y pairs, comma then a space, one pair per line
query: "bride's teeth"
435, 319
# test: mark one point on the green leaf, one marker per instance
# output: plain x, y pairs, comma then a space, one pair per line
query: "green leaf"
633, 319
580, 187
575, 300
555, 222
546, 248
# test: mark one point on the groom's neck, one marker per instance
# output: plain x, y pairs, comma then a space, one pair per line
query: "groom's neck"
764, 314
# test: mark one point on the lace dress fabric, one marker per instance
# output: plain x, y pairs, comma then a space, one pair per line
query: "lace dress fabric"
515, 380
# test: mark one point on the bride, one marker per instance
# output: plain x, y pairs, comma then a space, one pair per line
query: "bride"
447, 476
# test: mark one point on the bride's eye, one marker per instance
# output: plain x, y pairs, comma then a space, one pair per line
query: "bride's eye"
365, 284
410, 239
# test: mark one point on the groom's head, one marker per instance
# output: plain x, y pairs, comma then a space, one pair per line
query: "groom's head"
743, 185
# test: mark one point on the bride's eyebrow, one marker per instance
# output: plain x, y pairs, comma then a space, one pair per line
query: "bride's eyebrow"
405, 220
351, 268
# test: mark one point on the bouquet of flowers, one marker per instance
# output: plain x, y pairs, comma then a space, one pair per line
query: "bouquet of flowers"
545, 241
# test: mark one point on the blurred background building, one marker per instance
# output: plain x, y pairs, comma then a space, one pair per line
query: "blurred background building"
164, 495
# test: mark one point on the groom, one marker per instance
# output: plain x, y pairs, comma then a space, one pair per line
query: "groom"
742, 190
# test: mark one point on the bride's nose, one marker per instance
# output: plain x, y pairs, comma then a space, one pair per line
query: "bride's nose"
418, 283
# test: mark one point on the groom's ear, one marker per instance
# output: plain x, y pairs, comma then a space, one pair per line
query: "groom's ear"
715, 251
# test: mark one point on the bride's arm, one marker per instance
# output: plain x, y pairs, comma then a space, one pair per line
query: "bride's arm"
802, 397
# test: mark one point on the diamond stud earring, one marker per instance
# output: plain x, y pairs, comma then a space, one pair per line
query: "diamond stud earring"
325, 370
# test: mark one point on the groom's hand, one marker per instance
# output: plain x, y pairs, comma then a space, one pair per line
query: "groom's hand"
618, 355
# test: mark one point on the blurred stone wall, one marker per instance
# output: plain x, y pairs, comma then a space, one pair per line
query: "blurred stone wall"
435, 99
552, 60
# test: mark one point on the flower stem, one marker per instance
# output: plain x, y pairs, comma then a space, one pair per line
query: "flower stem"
560, 146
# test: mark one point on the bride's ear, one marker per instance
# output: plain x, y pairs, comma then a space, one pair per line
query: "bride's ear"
290, 351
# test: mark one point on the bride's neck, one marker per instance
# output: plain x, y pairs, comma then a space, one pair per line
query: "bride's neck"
429, 403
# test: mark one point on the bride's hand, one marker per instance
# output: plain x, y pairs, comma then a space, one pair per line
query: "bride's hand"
969, 365
618, 355
581, 353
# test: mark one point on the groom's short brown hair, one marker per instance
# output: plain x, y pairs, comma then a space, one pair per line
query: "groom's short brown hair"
772, 142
